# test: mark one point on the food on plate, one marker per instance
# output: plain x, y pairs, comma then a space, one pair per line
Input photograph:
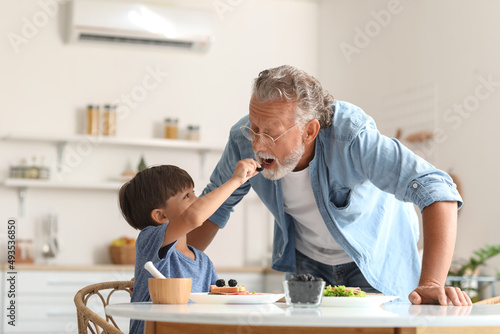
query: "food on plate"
232, 287
304, 290
342, 291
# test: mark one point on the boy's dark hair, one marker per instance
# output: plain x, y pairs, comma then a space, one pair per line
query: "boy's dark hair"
150, 189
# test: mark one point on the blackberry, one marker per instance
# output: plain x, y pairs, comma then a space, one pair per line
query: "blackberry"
305, 278
220, 283
304, 289
232, 282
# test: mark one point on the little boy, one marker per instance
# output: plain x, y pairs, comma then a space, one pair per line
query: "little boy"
160, 201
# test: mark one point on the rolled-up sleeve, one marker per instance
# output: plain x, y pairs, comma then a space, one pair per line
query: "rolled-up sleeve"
430, 188
395, 169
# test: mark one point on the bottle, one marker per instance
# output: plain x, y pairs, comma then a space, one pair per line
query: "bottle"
174, 128
92, 120
142, 164
194, 132
33, 171
44, 172
109, 128
168, 125
23, 169
171, 128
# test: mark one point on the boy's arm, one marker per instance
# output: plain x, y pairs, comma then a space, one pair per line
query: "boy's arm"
198, 212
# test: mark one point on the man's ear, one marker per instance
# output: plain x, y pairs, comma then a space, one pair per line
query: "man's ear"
159, 216
311, 130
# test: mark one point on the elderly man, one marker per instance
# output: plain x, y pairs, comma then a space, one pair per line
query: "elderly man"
341, 193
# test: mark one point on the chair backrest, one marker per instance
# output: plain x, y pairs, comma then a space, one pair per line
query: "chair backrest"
492, 300
88, 320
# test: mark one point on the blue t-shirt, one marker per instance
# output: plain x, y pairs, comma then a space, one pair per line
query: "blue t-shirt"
171, 263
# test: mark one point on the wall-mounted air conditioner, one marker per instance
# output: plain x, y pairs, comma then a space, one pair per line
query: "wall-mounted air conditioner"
140, 23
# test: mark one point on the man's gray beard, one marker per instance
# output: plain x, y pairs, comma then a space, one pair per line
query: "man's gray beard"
288, 165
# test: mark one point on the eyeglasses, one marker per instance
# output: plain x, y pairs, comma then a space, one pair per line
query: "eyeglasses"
265, 139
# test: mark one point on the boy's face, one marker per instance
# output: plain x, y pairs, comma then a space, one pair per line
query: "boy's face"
178, 203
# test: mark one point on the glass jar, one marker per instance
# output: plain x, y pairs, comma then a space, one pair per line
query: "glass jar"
33, 171
92, 120
109, 126
193, 132
171, 128
303, 293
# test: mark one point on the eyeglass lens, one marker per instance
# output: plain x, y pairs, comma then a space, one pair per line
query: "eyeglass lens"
251, 135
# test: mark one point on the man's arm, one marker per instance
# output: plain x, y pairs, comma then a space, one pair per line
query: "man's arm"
202, 236
440, 230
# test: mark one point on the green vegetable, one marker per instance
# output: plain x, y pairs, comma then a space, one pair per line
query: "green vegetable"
342, 291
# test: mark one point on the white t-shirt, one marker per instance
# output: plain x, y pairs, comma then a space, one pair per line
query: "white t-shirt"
312, 237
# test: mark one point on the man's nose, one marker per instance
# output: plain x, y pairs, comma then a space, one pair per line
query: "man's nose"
257, 144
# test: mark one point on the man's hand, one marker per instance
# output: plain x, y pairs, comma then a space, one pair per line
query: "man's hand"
430, 294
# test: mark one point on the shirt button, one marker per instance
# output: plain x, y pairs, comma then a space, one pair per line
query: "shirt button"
279, 255
415, 186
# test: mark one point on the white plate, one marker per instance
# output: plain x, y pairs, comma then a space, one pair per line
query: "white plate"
368, 301
263, 298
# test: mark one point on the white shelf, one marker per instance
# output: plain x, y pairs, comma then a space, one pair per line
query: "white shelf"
131, 142
61, 142
34, 183
22, 186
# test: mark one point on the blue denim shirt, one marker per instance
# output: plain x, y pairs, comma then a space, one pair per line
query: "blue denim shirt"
365, 185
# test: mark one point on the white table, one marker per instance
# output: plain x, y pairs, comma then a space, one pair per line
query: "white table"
398, 318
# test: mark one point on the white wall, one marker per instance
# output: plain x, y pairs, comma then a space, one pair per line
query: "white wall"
47, 83
452, 45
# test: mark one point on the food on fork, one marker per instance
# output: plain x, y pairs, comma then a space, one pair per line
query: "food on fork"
342, 291
232, 287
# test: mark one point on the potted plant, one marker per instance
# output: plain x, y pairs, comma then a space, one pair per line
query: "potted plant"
471, 269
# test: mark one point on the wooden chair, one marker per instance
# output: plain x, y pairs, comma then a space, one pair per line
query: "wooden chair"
88, 320
492, 300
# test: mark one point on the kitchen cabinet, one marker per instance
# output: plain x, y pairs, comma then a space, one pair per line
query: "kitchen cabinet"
44, 298
77, 143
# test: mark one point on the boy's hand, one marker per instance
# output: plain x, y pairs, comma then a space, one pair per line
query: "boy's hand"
245, 169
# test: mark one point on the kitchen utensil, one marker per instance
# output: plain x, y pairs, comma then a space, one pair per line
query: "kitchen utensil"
170, 290
51, 246
55, 243
47, 250
149, 266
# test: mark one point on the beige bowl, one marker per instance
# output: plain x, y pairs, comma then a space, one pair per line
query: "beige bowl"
170, 290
